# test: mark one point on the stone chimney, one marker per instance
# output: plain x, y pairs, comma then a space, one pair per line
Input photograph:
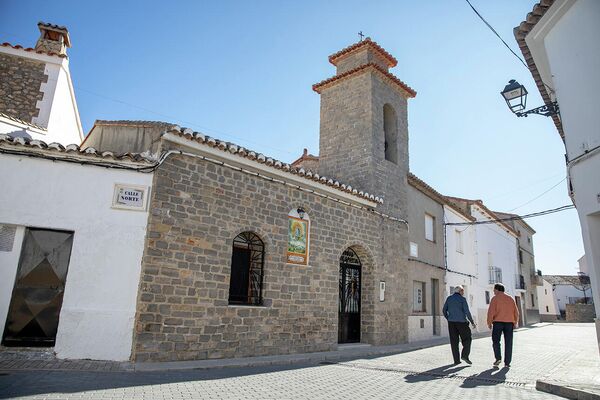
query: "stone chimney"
53, 39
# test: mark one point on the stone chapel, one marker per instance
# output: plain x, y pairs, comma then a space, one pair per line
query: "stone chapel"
217, 276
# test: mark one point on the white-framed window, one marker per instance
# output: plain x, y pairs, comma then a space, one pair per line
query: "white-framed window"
414, 249
430, 227
418, 296
459, 240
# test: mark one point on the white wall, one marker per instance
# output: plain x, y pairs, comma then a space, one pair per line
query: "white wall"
494, 239
97, 316
546, 299
416, 333
463, 262
563, 292
63, 118
565, 44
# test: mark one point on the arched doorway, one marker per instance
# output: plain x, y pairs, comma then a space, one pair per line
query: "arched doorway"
349, 297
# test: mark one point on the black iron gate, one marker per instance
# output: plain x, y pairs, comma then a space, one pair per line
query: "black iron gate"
39, 286
349, 303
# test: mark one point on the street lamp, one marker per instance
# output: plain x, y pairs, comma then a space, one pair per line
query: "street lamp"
515, 96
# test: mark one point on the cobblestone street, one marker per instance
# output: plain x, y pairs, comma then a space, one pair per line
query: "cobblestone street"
543, 351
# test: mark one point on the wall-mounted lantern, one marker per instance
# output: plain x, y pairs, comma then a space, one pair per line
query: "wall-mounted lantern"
515, 96
301, 212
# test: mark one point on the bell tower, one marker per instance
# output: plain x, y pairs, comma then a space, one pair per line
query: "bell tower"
364, 127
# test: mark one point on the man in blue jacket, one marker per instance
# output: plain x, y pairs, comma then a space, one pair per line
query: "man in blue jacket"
456, 311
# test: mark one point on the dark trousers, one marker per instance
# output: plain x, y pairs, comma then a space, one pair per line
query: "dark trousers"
462, 330
498, 329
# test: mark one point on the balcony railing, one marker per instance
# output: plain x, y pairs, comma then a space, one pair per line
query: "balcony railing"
495, 274
520, 282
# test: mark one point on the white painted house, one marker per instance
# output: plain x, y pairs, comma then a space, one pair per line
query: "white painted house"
460, 257
559, 40
559, 290
37, 99
495, 251
72, 236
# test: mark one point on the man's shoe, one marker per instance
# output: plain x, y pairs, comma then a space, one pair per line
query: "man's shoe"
497, 362
456, 362
506, 365
466, 359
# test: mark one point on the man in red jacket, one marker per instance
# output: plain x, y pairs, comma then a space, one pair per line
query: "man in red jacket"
502, 318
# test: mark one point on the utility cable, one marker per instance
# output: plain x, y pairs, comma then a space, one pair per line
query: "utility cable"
515, 218
506, 44
540, 195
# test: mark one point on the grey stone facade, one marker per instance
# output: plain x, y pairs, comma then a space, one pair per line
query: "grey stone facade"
197, 210
580, 313
198, 207
20, 83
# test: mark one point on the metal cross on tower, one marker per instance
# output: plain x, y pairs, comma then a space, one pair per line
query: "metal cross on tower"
361, 35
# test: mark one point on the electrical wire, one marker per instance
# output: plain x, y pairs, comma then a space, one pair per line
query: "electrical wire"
540, 195
506, 44
496, 33
515, 218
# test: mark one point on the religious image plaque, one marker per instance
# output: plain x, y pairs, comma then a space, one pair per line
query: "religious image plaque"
298, 241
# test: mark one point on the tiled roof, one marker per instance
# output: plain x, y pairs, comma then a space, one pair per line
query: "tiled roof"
419, 184
577, 280
134, 123
305, 157
520, 33
518, 219
480, 204
318, 87
53, 26
29, 49
29, 145
13, 118
232, 148
334, 58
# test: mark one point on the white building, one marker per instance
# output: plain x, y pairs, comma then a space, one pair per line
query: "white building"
460, 258
495, 250
72, 236
37, 99
559, 290
559, 40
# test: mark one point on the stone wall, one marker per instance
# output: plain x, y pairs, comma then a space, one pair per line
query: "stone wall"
197, 208
580, 313
20, 82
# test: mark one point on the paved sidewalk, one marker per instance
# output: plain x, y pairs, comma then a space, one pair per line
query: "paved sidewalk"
564, 355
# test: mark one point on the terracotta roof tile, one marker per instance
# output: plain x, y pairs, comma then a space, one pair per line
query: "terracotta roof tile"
334, 58
480, 204
262, 159
32, 50
318, 87
20, 144
422, 186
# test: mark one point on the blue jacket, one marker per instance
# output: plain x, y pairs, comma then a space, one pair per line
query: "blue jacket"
456, 309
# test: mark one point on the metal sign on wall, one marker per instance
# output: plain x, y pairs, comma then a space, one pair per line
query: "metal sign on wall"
130, 197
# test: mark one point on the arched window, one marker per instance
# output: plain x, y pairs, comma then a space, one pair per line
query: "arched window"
247, 260
390, 129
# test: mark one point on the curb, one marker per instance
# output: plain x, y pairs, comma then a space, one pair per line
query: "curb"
569, 392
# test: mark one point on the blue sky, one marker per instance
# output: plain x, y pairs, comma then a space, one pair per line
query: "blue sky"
242, 71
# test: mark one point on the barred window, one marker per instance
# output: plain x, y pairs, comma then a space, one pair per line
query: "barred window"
247, 260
